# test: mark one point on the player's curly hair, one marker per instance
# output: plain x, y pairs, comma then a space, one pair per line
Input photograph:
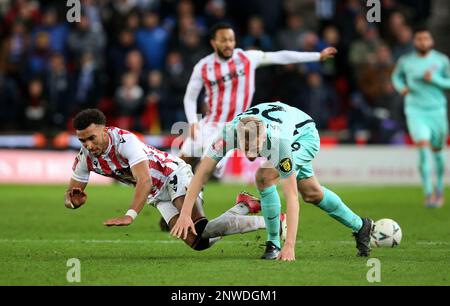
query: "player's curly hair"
88, 116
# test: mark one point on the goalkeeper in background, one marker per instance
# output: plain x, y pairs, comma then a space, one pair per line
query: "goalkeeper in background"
421, 77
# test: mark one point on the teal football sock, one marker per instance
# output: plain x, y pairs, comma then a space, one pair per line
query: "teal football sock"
425, 171
333, 205
271, 208
439, 159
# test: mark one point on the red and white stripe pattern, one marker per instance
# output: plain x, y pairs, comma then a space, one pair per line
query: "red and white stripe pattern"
229, 85
114, 164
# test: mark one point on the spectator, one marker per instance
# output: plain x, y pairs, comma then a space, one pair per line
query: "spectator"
404, 42
134, 63
58, 85
175, 79
152, 41
83, 40
88, 88
14, 51
40, 54
155, 94
36, 106
216, 12
9, 101
317, 99
58, 32
129, 100
256, 37
290, 37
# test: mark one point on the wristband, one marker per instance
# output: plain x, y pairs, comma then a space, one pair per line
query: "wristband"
132, 213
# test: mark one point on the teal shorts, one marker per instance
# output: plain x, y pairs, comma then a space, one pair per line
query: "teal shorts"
428, 126
309, 146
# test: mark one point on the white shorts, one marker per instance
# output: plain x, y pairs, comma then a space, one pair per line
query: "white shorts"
206, 134
175, 187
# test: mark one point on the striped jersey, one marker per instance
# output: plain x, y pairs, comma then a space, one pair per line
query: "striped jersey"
124, 151
229, 84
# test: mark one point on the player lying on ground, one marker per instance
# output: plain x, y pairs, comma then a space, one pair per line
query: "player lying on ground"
421, 77
288, 138
159, 179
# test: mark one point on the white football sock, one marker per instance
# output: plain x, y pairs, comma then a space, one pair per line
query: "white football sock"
230, 223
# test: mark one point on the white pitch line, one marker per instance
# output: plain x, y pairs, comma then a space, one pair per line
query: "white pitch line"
173, 241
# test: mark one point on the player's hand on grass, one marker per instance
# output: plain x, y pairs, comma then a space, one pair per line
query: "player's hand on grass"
428, 76
287, 253
193, 130
182, 227
121, 221
75, 198
327, 53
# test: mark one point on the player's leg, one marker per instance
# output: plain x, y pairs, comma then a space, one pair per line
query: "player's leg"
439, 161
424, 165
312, 192
438, 143
267, 179
170, 214
420, 132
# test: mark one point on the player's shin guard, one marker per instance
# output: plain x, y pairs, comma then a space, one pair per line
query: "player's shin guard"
271, 207
439, 160
333, 205
425, 170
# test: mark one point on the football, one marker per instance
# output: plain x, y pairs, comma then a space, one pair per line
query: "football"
386, 234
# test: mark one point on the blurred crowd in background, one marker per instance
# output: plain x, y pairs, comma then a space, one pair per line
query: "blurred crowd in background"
133, 59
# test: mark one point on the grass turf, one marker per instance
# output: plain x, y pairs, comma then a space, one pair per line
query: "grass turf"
38, 235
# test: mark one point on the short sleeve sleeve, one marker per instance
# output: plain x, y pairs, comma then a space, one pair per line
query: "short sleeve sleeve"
132, 149
80, 171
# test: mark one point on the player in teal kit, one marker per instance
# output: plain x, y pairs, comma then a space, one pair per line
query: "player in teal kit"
421, 78
289, 140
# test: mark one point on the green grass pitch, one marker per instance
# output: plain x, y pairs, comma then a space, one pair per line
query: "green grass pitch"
38, 235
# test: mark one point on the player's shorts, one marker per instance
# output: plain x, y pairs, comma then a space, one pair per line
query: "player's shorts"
309, 147
206, 134
175, 187
428, 126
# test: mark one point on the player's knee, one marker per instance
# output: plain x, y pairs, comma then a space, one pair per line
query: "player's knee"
423, 144
312, 196
264, 178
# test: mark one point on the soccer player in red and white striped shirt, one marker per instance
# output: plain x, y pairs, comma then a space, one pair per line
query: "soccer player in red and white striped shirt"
228, 77
159, 179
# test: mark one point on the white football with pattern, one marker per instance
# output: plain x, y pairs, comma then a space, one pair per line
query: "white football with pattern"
387, 234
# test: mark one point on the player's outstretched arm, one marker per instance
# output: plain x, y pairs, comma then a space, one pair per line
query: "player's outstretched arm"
184, 222
286, 57
75, 196
292, 206
143, 186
